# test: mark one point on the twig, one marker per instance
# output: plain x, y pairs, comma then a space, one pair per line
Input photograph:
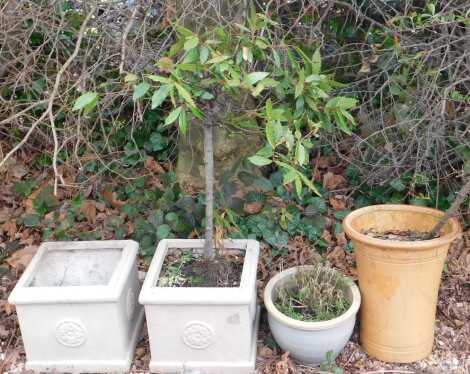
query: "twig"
124, 38
452, 211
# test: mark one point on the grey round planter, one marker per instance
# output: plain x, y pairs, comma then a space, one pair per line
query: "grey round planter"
309, 342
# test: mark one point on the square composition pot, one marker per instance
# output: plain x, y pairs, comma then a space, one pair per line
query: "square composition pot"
202, 329
77, 306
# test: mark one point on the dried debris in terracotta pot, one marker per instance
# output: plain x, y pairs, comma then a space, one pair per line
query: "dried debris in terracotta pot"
400, 235
187, 268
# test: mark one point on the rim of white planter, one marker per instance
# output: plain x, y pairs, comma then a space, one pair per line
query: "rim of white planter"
283, 276
153, 294
24, 293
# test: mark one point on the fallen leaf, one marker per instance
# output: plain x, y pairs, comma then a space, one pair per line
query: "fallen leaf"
333, 181
10, 229
266, 352
8, 308
111, 198
88, 209
151, 164
337, 202
5, 214
253, 208
22, 257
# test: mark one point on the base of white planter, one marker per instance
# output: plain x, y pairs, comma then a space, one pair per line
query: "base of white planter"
95, 366
211, 367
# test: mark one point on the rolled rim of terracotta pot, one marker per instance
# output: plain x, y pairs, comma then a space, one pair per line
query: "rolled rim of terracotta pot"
303, 325
354, 234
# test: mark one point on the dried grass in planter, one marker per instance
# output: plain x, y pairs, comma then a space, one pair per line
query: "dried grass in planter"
315, 294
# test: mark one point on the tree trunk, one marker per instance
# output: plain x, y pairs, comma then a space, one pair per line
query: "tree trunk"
209, 251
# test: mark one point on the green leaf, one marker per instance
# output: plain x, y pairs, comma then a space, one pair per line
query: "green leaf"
25, 188
184, 93
163, 231
309, 184
255, 77
342, 124
218, 59
183, 31
140, 90
269, 109
173, 116
87, 101
204, 55
299, 87
158, 78
316, 62
259, 161
341, 102
397, 185
160, 95
313, 78
298, 186
300, 154
130, 78
289, 176
349, 117
270, 134
31, 220
266, 151
191, 42
183, 123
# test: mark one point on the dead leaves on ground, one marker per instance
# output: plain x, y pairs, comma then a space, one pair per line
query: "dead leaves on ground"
22, 257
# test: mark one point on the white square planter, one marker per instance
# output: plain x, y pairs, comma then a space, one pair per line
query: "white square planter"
77, 306
202, 329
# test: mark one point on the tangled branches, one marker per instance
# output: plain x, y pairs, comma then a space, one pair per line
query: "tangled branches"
407, 61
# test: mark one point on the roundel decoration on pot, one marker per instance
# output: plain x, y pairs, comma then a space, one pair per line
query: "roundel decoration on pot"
198, 335
71, 333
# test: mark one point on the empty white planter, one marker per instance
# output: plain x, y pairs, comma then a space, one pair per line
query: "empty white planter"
77, 306
309, 342
201, 329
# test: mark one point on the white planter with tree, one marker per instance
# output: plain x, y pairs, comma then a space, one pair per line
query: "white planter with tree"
202, 329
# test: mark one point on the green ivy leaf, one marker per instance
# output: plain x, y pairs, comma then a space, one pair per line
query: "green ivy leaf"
140, 90
25, 188
160, 95
31, 220
163, 231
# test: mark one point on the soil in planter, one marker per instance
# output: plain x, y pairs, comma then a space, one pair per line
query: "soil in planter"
185, 268
400, 235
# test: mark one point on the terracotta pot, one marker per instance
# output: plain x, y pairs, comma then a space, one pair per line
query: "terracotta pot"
399, 280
